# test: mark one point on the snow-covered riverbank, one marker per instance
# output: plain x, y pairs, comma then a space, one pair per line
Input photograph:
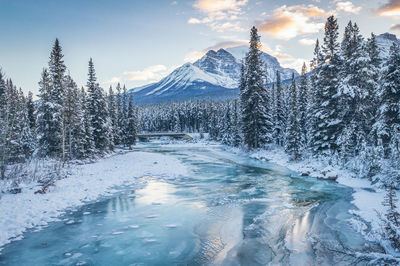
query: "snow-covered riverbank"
88, 182
19, 212
368, 198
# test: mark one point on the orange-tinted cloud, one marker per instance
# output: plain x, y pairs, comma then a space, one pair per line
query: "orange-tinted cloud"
390, 9
211, 6
289, 22
220, 15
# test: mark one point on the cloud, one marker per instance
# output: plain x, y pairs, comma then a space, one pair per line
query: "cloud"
113, 80
151, 73
214, 6
174, 3
306, 42
220, 15
347, 7
390, 9
395, 27
288, 22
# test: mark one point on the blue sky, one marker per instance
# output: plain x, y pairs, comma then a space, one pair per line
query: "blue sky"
138, 42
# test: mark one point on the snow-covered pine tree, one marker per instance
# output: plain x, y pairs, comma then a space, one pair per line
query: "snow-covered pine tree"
257, 122
131, 128
124, 115
99, 119
25, 137
302, 97
46, 126
74, 121
119, 116
350, 92
78, 134
31, 111
50, 109
111, 102
392, 216
389, 112
89, 146
327, 123
314, 98
3, 127
227, 127
14, 145
280, 120
293, 136
374, 67
69, 115
237, 138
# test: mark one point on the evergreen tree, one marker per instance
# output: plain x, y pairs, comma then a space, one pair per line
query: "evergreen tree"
389, 112
31, 111
25, 137
97, 105
3, 125
131, 124
237, 139
280, 120
302, 97
392, 216
48, 126
257, 122
293, 130
227, 127
113, 113
50, 106
89, 146
327, 123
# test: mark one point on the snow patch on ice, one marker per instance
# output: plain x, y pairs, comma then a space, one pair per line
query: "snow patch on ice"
19, 212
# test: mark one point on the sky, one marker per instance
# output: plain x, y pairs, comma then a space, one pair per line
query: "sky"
138, 42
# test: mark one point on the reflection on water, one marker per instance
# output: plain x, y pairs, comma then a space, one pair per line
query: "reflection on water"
155, 192
230, 211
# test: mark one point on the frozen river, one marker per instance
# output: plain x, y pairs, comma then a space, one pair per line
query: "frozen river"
230, 210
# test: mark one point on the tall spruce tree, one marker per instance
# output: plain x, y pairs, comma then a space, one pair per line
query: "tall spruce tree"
293, 137
131, 129
48, 127
50, 107
280, 120
389, 111
31, 111
302, 97
327, 122
89, 146
257, 122
98, 111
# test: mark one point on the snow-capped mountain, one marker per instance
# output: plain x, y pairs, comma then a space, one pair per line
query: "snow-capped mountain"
385, 41
214, 76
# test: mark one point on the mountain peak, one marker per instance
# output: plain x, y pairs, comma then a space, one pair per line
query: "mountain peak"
388, 36
214, 75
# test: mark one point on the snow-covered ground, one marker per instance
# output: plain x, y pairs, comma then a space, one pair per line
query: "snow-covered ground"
19, 212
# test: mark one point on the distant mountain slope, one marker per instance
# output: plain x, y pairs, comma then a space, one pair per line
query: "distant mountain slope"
214, 76
384, 42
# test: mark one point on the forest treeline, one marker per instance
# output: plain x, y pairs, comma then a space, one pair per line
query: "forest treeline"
65, 122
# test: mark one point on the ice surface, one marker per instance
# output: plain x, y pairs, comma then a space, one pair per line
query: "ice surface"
86, 183
224, 208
